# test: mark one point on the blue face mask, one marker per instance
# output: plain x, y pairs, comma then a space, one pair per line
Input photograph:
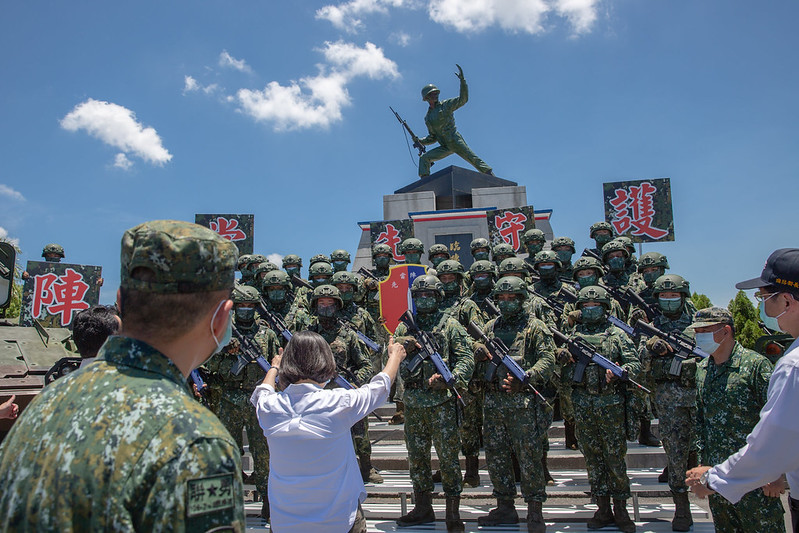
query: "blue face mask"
546, 272
480, 256
338, 266
482, 283
770, 322
706, 342
413, 259
227, 335
670, 305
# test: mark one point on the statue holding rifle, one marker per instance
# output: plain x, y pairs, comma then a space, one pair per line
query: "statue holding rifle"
440, 123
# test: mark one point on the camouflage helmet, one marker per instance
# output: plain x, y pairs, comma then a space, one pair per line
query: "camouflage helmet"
510, 285
318, 258
244, 294
320, 268
292, 259
546, 256
503, 248
326, 291
450, 266
411, 244
438, 249
588, 262
428, 282
628, 243
614, 246
479, 242
242, 263
344, 277
340, 255
276, 277
381, 249
533, 235
53, 248
652, 259
563, 241
258, 258
594, 293
266, 266
512, 265
671, 283
596, 226
427, 89
479, 267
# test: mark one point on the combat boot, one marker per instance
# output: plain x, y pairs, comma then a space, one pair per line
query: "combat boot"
422, 512
505, 513
548, 479
436, 476
645, 436
682, 512
368, 473
399, 415
603, 515
265, 509
471, 478
535, 517
571, 438
663, 477
622, 519
453, 517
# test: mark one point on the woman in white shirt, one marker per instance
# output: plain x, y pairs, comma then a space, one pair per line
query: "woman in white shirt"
314, 480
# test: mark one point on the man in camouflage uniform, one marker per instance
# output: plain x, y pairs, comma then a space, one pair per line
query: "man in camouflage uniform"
514, 266
279, 299
440, 122
358, 317
352, 364
319, 273
465, 310
502, 251
121, 444
632, 261
615, 257
674, 396
242, 266
599, 407
480, 249
732, 387
231, 392
292, 264
564, 247
437, 253
339, 259
431, 409
482, 275
515, 420
53, 253
602, 233
533, 241
412, 249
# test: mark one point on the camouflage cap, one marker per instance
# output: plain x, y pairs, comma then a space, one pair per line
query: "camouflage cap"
711, 316
185, 258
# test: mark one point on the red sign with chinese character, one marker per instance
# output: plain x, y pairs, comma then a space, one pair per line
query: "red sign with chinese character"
391, 233
55, 292
508, 225
395, 293
238, 229
641, 210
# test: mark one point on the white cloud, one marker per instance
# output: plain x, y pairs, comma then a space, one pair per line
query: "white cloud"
346, 16
227, 60
5, 190
122, 161
400, 38
276, 259
580, 13
317, 101
190, 85
4, 237
117, 126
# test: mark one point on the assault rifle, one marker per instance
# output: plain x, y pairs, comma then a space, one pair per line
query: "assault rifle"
429, 350
584, 353
555, 302
275, 321
416, 142
629, 298
250, 352
532, 271
589, 252
199, 383
499, 356
683, 346
491, 307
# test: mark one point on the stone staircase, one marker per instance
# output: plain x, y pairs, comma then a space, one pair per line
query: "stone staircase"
567, 508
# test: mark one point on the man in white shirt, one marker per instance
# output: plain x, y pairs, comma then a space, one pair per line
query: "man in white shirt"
771, 448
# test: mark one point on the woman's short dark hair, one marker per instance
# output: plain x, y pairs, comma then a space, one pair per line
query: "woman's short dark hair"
90, 328
307, 356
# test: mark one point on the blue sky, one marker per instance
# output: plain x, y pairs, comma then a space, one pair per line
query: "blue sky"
116, 113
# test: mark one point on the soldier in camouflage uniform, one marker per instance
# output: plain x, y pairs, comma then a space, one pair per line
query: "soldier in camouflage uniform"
515, 420
502, 251
564, 247
632, 261
53, 253
339, 259
242, 266
615, 257
412, 249
292, 264
465, 310
602, 233
480, 249
674, 396
437, 253
319, 273
279, 299
351, 361
482, 275
431, 409
514, 266
599, 406
533, 241
121, 444
361, 320
732, 387
232, 392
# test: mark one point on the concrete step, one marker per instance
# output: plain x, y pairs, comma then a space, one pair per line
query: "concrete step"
381, 516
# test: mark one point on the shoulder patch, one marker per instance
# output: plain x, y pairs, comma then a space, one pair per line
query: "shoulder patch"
209, 494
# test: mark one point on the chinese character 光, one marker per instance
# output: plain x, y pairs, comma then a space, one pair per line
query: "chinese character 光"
392, 239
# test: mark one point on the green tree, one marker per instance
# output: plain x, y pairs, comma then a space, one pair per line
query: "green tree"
746, 318
701, 301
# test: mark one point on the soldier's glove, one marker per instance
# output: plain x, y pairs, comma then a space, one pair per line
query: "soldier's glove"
658, 346
481, 352
371, 284
574, 317
436, 382
234, 346
409, 343
563, 355
636, 315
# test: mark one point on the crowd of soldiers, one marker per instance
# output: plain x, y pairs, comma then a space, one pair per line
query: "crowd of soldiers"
545, 313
